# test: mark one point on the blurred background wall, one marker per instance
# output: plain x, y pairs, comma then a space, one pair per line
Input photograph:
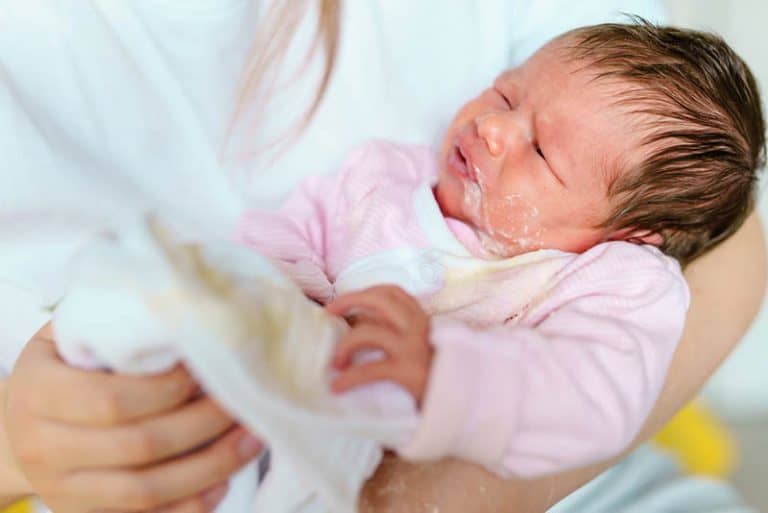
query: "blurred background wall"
738, 393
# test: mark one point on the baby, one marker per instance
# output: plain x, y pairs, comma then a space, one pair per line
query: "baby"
524, 286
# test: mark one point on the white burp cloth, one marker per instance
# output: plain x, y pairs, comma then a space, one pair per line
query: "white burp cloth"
140, 302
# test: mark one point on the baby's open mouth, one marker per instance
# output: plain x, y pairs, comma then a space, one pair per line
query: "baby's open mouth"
460, 163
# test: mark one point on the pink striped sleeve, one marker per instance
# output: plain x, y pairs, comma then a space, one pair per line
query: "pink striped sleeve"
295, 235
570, 387
299, 235
314, 230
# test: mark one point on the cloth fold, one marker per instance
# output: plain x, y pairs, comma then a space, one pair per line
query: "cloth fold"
141, 302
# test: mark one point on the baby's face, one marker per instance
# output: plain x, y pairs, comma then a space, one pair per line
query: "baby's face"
527, 162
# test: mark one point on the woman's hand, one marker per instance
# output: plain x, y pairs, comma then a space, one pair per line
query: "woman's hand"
92, 441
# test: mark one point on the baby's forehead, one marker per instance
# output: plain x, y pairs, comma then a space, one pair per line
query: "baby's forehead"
553, 75
574, 95
555, 56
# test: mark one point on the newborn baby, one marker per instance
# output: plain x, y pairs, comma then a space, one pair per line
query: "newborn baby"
524, 285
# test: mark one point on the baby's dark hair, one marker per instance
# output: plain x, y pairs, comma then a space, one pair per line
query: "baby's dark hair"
703, 131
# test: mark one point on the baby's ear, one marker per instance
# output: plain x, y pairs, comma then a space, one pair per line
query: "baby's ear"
639, 237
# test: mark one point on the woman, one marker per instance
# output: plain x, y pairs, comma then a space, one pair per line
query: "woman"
110, 107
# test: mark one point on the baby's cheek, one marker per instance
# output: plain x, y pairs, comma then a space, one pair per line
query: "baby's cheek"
514, 224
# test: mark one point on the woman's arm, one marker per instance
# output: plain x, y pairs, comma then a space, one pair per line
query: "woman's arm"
734, 274
13, 485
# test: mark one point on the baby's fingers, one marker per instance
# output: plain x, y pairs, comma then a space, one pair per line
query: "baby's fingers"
366, 336
382, 370
384, 303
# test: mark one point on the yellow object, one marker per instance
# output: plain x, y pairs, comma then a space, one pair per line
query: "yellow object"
700, 442
25, 506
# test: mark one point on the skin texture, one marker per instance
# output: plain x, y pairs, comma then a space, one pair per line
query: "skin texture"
90, 441
732, 274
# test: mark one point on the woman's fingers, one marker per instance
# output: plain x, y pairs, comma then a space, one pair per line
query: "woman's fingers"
140, 443
118, 399
411, 377
161, 486
204, 502
98, 398
365, 336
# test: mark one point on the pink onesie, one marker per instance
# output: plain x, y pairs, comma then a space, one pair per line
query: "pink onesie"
545, 361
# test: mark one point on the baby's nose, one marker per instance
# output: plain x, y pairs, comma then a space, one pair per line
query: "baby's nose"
501, 131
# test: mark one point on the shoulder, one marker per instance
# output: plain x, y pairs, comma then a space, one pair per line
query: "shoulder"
635, 274
607, 257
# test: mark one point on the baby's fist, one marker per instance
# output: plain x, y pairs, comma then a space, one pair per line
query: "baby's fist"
387, 319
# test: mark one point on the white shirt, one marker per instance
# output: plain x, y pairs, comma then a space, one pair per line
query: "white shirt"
108, 106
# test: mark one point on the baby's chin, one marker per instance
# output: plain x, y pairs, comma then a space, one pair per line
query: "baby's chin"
445, 195
485, 246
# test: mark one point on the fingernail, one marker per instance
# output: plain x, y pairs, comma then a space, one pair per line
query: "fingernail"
212, 497
248, 446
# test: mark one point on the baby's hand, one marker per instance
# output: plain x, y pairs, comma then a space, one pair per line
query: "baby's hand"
388, 319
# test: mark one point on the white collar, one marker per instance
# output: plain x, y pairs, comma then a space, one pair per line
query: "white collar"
431, 220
